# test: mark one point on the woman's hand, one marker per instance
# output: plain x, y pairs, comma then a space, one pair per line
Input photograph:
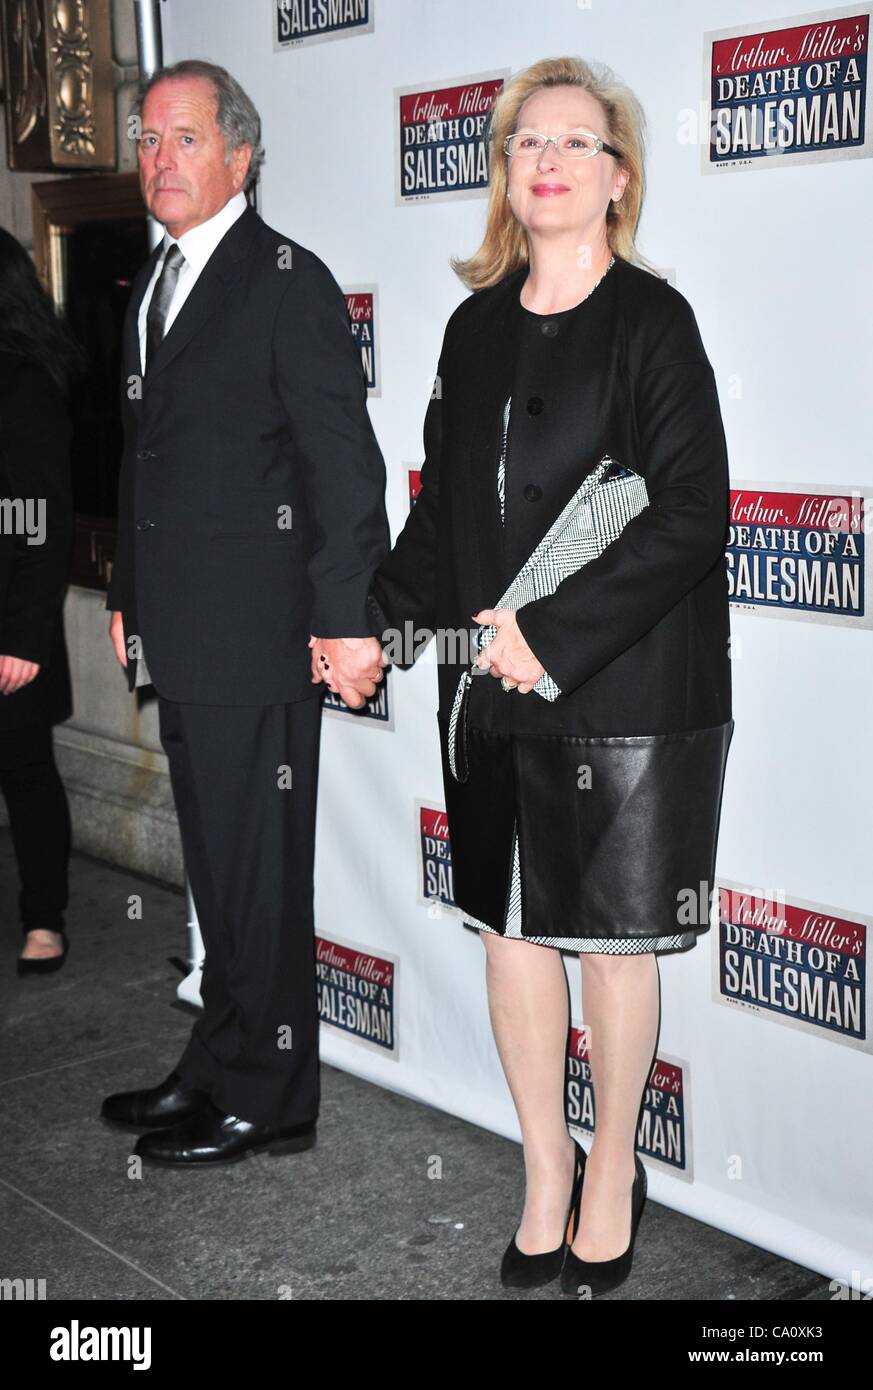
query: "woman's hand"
15, 672
508, 654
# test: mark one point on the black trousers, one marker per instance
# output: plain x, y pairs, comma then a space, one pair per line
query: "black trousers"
39, 822
244, 782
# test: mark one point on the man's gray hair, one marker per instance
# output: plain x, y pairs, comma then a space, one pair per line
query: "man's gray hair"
236, 117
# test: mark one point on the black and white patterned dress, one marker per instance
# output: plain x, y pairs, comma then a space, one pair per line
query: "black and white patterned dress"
612, 946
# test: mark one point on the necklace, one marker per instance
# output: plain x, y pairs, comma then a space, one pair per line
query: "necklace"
597, 282
602, 277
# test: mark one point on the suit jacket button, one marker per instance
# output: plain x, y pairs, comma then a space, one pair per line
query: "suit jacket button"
549, 329
535, 405
533, 493
144, 524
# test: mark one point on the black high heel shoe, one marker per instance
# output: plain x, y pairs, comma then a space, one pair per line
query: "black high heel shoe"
601, 1276
43, 965
521, 1271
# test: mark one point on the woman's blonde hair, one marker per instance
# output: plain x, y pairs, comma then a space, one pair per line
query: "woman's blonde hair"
504, 246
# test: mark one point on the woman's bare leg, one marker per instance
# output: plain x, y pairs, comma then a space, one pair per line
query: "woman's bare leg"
529, 1008
621, 1006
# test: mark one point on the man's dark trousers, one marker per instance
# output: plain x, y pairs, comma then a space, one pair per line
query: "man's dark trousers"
244, 780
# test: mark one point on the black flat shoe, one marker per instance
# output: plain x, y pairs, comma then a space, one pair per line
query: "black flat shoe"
158, 1106
210, 1136
521, 1271
601, 1276
43, 965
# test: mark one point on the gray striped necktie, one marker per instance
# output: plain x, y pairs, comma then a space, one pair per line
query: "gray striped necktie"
160, 302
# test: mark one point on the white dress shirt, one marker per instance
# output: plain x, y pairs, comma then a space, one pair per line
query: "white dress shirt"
196, 245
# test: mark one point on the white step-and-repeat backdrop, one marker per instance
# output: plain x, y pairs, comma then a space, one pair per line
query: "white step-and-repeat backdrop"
757, 1116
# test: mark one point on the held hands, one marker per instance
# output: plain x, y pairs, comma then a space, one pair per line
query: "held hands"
349, 666
352, 667
16, 672
508, 654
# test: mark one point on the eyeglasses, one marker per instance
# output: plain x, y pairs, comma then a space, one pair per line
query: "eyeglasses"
575, 144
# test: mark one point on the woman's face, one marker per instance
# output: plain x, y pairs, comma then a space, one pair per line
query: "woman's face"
551, 194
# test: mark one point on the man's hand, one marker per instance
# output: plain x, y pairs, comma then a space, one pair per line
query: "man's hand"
116, 635
508, 654
16, 672
349, 666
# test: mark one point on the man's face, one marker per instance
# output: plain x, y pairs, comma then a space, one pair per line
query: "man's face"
182, 170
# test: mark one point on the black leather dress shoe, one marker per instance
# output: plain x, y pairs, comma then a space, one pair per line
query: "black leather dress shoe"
210, 1136
159, 1106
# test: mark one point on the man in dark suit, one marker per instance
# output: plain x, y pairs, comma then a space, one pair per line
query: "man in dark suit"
251, 515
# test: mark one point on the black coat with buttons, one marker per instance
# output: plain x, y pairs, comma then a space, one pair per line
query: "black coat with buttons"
615, 787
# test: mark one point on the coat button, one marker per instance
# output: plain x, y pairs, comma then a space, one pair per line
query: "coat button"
535, 405
146, 454
144, 524
533, 493
549, 329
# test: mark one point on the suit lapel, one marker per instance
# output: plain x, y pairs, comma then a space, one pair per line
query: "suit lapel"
221, 270
212, 284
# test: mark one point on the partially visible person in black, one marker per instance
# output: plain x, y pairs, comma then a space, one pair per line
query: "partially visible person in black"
38, 360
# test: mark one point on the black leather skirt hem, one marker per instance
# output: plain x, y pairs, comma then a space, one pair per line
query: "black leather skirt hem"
617, 835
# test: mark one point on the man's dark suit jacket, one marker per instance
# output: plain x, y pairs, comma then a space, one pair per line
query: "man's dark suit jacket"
253, 411
35, 434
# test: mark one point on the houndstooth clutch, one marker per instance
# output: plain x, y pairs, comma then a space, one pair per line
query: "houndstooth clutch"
610, 496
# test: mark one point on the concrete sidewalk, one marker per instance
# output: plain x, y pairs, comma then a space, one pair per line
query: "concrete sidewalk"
354, 1218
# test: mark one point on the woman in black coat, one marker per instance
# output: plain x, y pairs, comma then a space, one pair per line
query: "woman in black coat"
588, 823
37, 359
